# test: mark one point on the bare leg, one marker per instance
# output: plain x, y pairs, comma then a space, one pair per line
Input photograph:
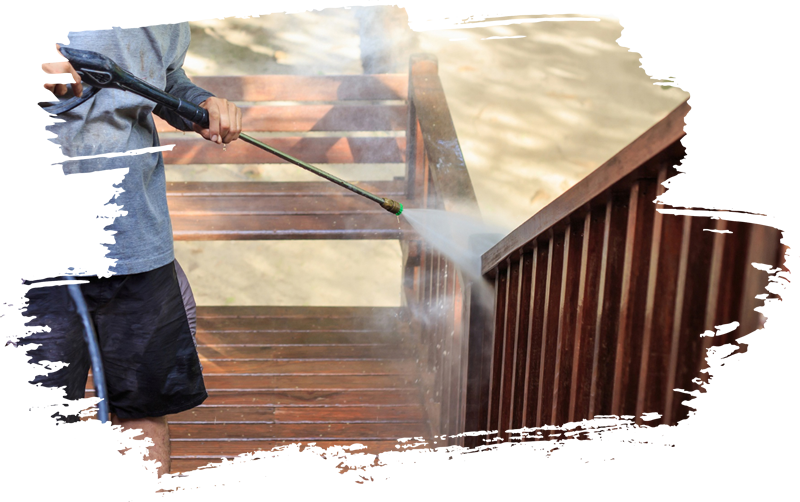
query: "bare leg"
141, 452
53, 484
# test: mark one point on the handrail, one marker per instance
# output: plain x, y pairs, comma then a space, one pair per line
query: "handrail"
645, 147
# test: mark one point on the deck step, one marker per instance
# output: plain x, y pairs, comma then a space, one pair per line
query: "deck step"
282, 375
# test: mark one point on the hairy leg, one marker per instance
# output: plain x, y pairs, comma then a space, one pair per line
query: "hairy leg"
53, 484
141, 452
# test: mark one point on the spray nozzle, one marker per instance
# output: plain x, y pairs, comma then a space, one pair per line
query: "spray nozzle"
392, 206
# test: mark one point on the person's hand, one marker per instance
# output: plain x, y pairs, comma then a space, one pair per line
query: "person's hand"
39, 67
224, 121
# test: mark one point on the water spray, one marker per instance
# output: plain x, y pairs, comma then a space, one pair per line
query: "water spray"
102, 72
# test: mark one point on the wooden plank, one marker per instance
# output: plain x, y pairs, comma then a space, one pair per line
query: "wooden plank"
519, 388
732, 227
299, 323
655, 140
300, 227
603, 353
778, 472
550, 330
283, 467
296, 431
210, 352
329, 150
510, 332
392, 189
658, 311
309, 382
501, 294
447, 167
629, 343
565, 339
702, 195
325, 337
304, 118
306, 88
88, 449
352, 414
777, 193
298, 367
588, 293
535, 333
322, 398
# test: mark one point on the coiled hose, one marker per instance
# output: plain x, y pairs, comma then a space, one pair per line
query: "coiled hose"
90, 336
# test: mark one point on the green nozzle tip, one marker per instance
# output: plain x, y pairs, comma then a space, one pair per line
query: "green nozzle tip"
401, 209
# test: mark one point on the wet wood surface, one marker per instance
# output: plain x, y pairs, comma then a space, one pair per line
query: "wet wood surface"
323, 420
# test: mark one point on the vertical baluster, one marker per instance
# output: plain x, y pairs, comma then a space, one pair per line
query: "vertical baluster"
501, 292
509, 342
550, 329
724, 299
608, 309
565, 341
518, 387
535, 333
702, 195
590, 297
633, 295
659, 307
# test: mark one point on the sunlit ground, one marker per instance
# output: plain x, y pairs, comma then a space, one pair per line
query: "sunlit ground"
534, 115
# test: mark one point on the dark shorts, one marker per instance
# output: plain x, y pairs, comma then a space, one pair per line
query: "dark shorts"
146, 340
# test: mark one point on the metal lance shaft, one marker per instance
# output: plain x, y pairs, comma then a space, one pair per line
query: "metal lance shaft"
390, 205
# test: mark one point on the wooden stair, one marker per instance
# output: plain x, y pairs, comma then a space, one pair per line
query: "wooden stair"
305, 403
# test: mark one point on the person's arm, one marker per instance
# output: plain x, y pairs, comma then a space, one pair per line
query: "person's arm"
225, 118
38, 66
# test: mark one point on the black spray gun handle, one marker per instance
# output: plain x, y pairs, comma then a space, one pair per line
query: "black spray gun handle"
99, 72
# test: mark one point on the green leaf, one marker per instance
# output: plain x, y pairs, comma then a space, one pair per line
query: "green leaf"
695, 17
711, 53
665, 14
676, 43
680, 72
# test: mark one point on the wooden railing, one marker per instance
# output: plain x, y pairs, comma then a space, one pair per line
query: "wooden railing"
436, 293
601, 301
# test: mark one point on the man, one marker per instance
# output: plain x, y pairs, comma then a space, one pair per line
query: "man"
95, 177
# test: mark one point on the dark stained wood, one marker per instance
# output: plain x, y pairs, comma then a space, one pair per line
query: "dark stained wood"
594, 232
510, 333
550, 330
308, 366
778, 472
517, 411
724, 302
303, 118
306, 88
775, 213
295, 431
501, 288
702, 195
211, 352
603, 352
535, 333
666, 132
191, 149
447, 167
633, 297
210, 450
565, 344
660, 305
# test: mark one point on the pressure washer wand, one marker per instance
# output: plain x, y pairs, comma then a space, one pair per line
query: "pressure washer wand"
100, 72
390, 205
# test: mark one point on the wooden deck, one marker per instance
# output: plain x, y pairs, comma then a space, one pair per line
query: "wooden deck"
304, 404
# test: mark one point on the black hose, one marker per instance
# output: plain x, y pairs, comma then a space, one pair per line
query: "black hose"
88, 328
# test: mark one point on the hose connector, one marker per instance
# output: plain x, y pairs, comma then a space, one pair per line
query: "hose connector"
392, 206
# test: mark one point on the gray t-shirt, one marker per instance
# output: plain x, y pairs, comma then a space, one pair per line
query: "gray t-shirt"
95, 175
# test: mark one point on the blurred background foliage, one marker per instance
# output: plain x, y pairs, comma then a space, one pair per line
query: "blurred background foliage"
701, 25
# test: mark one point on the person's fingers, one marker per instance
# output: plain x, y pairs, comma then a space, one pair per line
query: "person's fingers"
61, 88
213, 121
75, 80
234, 123
224, 121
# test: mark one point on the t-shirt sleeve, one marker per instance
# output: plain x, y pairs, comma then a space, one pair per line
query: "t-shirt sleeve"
179, 85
